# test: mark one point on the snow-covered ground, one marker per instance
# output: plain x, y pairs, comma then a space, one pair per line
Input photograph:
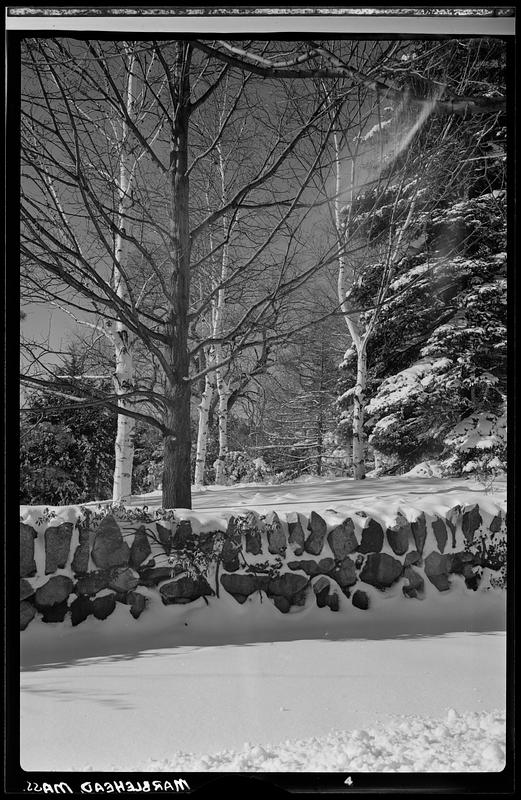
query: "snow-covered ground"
407, 686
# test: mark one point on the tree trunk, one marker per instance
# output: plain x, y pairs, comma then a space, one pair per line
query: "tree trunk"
124, 366
358, 414
224, 393
177, 445
202, 432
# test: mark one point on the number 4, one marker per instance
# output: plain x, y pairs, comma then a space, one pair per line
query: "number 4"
349, 780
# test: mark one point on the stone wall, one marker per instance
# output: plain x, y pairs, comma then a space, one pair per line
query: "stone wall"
70, 570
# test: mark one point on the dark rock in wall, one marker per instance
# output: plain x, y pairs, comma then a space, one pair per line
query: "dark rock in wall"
165, 537
26, 590
419, 532
470, 522
93, 582
495, 523
315, 541
253, 542
360, 600
439, 530
137, 602
27, 562
345, 573
456, 562
154, 575
230, 556
453, 517
55, 591
381, 570
109, 549
308, 566
416, 583
183, 537
276, 537
288, 585
81, 608
333, 602
296, 535
184, 590
80, 561
57, 546
103, 606
342, 539
27, 612
123, 579
372, 537
412, 557
436, 568
140, 549
321, 589
282, 603
398, 535
56, 613
243, 584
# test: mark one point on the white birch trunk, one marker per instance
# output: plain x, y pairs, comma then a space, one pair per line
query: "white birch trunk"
351, 319
358, 415
124, 371
202, 430
223, 388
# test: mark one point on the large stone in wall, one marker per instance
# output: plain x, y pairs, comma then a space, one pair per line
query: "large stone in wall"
184, 590
242, 586
27, 562
360, 600
381, 570
453, 517
321, 588
310, 567
123, 579
103, 606
55, 613
165, 537
470, 522
183, 538
153, 576
80, 609
342, 539
140, 549
253, 541
93, 582
412, 557
372, 537
109, 548
55, 591
27, 612
436, 568
80, 561
296, 533
419, 532
315, 541
287, 585
231, 547
26, 590
439, 530
57, 546
345, 573
398, 535
495, 523
457, 562
138, 603
416, 583
276, 537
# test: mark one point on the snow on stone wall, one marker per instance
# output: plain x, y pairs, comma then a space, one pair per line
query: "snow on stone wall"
75, 563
